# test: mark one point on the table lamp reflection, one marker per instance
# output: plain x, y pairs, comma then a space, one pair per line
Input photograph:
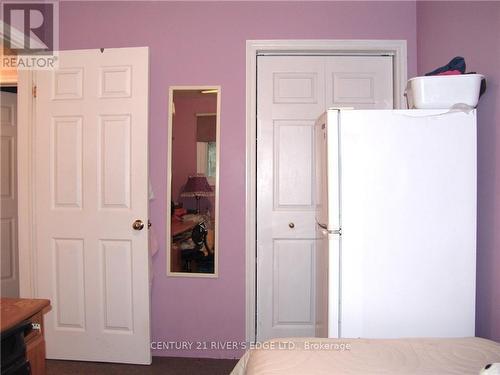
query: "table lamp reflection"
197, 186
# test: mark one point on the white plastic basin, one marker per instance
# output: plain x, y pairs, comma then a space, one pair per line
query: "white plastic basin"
440, 92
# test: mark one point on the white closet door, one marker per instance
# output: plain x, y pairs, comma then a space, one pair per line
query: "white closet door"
91, 152
361, 82
291, 95
292, 92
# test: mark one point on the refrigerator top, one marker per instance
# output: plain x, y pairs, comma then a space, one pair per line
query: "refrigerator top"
411, 112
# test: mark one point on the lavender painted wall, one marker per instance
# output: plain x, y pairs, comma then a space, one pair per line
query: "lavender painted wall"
204, 44
472, 29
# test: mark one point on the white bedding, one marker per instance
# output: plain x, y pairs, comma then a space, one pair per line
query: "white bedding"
373, 356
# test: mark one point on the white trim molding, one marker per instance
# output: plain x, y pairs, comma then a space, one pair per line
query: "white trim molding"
395, 48
25, 181
218, 89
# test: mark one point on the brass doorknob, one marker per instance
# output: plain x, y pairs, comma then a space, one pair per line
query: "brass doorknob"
138, 225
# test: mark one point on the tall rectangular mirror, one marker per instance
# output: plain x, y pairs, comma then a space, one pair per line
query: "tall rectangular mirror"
193, 181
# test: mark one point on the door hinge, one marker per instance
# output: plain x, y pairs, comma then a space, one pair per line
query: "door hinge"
34, 91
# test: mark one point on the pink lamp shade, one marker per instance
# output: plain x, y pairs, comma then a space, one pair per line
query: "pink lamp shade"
197, 186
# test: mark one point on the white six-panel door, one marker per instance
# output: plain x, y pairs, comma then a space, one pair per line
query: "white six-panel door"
292, 92
8, 160
91, 184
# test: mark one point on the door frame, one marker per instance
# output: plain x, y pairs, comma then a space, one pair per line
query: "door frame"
25, 177
395, 48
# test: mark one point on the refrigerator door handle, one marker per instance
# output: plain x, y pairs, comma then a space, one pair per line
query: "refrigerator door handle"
330, 231
322, 226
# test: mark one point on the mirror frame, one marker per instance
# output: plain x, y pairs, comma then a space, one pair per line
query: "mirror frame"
169, 182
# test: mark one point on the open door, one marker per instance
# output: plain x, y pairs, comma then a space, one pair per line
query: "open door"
8, 189
90, 185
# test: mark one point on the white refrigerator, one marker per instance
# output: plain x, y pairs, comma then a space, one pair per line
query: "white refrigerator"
396, 223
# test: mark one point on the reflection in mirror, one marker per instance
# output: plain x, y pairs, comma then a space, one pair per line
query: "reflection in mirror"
192, 194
